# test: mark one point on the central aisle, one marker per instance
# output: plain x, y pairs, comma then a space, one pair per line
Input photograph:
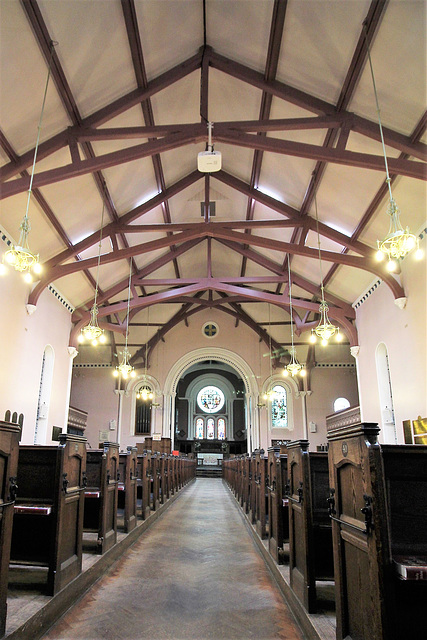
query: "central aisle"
195, 573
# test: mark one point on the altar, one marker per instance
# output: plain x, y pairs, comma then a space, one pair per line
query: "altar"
210, 459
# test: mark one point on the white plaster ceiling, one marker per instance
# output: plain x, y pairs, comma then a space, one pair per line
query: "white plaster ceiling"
105, 52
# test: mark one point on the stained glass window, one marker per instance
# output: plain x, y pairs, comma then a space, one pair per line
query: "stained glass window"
210, 428
210, 399
221, 429
199, 428
279, 409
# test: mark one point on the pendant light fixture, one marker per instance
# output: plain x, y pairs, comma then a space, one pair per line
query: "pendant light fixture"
399, 241
124, 368
294, 367
92, 331
144, 393
20, 255
270, 395
325, 329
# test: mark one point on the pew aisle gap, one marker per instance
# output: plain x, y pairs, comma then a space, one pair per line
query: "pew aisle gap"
195, 573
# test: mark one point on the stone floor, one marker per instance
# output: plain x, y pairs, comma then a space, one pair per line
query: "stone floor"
186, 577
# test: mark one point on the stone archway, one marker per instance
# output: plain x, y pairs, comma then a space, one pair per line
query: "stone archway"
221, 355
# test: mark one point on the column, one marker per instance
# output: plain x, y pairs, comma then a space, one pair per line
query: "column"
120, 393
168, 426
355, 352
72, 352
303, 395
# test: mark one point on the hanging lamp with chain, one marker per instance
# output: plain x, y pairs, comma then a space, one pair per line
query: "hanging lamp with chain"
20, 256
399, 241
92, 331
125, 369
294, 367
325, 329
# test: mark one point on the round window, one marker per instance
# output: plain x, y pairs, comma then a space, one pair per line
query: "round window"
210, 329
210, 399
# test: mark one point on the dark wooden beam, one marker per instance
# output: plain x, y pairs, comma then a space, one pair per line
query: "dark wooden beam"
273, 52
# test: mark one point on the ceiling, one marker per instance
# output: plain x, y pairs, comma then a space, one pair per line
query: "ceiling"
289, 90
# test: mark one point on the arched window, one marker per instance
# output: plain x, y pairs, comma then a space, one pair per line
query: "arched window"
210, 428
340, 404
199, 428
221, 429
279, 408
143, 410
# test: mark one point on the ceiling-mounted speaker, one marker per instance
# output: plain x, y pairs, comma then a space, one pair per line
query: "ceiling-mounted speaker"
209, 161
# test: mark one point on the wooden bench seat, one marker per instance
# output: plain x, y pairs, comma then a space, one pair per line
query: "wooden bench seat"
261, 503
310, 534
378, 506
100, 505
127, 488
9, 442
278, 504
143, 485
48, 513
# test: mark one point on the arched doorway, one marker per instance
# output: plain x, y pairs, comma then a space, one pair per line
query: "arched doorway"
210, 411
227, 361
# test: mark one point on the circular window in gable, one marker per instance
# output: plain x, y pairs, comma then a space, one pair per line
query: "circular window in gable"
210, 329
210, 399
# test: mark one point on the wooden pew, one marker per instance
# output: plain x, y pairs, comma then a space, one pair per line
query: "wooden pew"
9, 442
100, 506
310, 535
246, 483
164, 491
378, 506
156, 480
240, 479
143, 485
175, 474
170, 477
261, 493
252, 491
278, 530
127, 488
48, 518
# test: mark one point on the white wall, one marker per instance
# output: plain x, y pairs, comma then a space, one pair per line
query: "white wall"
403, 331
93, 388
23, 339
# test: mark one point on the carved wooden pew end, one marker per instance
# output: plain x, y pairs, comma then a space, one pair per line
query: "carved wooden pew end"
100, 505
48, 513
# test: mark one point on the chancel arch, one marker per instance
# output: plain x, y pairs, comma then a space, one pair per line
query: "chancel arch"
225, 365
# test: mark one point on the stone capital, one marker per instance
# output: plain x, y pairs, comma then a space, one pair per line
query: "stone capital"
72, 351
401, 302
355, 351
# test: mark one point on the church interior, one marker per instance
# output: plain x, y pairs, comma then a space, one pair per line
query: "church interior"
213, 318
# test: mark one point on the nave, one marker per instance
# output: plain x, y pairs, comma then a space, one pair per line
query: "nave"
194, 574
